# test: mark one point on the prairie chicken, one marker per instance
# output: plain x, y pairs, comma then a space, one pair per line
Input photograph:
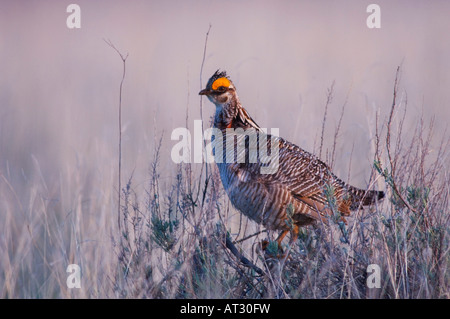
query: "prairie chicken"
297, 194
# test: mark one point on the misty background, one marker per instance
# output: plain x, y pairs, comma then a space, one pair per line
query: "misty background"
59, 87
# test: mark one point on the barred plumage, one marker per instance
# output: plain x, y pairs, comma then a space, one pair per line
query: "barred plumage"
302, 183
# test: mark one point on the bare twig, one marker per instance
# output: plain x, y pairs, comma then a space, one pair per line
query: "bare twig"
388, 143
329, 99
338, 128
201, 115
123, 58
250, 236
247, 263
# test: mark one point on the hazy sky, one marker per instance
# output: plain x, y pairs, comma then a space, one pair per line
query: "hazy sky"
59, 86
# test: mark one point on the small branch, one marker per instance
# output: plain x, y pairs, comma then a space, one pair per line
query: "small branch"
123, 58
247, 263
329, 99
201, 112
388, 144
338, 128
250, 236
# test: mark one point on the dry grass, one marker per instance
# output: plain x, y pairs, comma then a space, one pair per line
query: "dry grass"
172, 238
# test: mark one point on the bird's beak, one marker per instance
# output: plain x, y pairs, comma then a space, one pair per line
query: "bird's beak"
204, 92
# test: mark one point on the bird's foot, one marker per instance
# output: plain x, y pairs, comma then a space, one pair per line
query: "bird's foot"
272, 250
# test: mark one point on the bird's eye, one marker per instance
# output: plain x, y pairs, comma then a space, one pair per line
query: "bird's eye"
221, 89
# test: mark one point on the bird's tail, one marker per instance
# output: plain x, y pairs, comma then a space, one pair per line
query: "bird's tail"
361, 197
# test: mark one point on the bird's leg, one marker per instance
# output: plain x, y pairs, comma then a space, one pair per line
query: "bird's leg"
265, 243
294, 234
280, 238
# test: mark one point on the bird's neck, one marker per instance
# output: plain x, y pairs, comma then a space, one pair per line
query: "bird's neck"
226, 113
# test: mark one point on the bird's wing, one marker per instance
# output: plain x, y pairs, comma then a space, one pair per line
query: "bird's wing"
303, 172
246, 119
304, 175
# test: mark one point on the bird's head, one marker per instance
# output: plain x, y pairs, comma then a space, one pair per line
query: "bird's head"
219, 89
